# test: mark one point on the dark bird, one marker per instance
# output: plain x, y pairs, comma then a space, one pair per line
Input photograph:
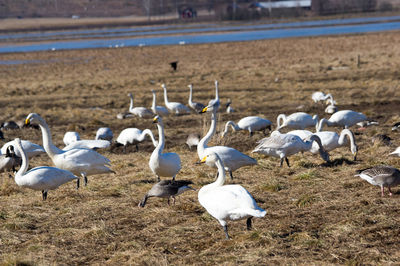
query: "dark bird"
174, 65
167, 189
9, 160
396, 126
381, 175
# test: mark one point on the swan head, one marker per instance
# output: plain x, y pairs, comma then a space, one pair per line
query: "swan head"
354, 151
153, 91
190, 86
33, 118
130, 95
163, 86
210, 158
10, 151
157, 119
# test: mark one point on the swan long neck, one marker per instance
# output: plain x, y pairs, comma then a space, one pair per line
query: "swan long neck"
321, 124
221, 173
48, 145
348, 133
315, 138
131, 105
25, 161
280, 118
204, 141
161, 138
153, 105
165, 95
190, 94
216, 90
150, 134
232, 124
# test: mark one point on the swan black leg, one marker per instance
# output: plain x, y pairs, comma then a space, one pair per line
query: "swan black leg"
230, 174
248, 222
137, 148
44, 194
77, 183
226, 231
173, 178
287, 161
281, 164
85, 180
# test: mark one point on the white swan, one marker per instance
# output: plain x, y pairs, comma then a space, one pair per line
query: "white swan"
229, 108
232, 158
163, 164
396, 152
330, 140
104, 133
381, 175
82, 162
331, 109
174, 107
92, 144
31, 149
141, 112
193, 140
167, 189
215, 102
249, 123
320, 96
297, 120
158, 110
197, 107
283, 145
42, 178
227, 202
134, 136
343, 118
70, 136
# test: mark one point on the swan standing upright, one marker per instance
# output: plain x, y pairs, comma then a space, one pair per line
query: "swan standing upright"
297, 120
82, 162
42, 178
134, 136
227, 202
197, 107
343, 118
232, 158
142, 112
163, 164
174, 107
283, 145
158, 110
250, 123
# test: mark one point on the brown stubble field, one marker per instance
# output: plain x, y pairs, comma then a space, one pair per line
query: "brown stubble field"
316, 213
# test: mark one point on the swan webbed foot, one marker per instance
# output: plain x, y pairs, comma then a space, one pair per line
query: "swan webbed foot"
248, 223
44, 194
226, 232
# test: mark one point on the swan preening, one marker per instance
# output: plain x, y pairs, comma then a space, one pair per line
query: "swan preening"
297, 120
31, 149
381, 175
139, 111
249, 123
320, 96
163, 164
343, 118
330, 140
134, 136
42, 178
232, 158
158, 110
197, 107
227, 202
283, 145
174, 107
167, 189
82, 162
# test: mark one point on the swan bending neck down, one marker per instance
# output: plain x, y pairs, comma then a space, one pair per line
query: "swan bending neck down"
232, 158
42, 178
163, 164
82, 162
343, 141
227, 202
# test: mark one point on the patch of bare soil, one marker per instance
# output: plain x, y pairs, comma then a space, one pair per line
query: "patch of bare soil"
316, 213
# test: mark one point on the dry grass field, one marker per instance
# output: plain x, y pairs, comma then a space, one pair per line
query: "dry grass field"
316, 213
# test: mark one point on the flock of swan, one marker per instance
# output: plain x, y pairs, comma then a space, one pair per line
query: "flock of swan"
80, 158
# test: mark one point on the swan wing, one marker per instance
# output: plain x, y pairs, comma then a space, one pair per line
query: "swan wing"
88, 144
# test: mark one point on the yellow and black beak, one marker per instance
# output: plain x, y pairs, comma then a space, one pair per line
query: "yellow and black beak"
204, 110
203, 160
155, 119
27, 121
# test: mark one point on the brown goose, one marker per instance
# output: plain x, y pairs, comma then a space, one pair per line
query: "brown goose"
381, 175
167, 189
